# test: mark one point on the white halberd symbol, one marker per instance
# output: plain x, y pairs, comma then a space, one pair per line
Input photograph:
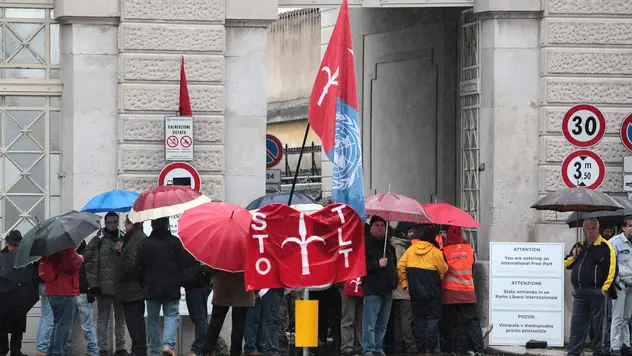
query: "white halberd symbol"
357, 283
303, 242
330, 81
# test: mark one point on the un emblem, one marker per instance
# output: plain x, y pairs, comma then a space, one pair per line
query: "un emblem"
347, 152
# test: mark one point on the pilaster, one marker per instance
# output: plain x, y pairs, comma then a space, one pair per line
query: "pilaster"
246, 97
89, 99
508, 124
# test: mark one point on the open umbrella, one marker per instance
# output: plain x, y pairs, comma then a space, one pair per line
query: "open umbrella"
396, 207
18, 286
216, 234
446, 214
577, 199
306, 208
279, 198
116, 201
56, 234
615, 217
165, 201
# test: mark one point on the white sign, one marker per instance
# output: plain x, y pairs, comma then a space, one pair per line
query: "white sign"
627, 182
178, 138
583, 125
273, 176
627, 164
526, 293
173, 224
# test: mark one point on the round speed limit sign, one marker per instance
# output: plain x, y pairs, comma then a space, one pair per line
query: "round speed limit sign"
583, 168
584, 125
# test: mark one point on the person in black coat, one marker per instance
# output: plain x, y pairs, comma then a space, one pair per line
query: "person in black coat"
163, 265
14, 308
378, 286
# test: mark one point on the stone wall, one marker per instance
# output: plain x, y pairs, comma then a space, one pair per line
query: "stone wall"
152, 37
585, 58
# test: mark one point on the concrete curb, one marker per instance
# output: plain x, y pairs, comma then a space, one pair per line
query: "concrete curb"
521, 350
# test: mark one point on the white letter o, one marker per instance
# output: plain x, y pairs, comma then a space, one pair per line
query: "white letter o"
258, 266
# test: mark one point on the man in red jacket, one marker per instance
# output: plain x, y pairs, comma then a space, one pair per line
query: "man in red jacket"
61, 274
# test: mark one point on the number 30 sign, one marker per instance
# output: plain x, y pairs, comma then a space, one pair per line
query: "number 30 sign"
584, 126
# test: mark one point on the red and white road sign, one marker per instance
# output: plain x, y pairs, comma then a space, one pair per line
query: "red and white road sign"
584, 125
583, 168
180, 173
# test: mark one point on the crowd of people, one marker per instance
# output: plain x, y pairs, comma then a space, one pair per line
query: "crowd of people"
601, 275
417, 297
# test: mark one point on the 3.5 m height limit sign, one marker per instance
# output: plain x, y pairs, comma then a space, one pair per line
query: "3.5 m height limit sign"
179, 138
583, 168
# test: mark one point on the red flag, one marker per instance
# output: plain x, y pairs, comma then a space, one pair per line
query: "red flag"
184, 107
353, 288
290, 249
335, 81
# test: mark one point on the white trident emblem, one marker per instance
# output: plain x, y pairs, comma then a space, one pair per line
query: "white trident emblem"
303, 242
330, 81
357, 283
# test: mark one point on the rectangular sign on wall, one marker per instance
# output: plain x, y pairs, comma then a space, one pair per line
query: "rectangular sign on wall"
178, 138
526, 293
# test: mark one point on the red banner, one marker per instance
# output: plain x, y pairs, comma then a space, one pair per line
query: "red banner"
290, 249
353, 288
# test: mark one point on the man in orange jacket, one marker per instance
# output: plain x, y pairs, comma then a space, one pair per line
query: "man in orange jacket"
462, 330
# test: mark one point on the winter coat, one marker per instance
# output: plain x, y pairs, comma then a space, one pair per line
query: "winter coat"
401, 244
202, 275
229, 290
16, 301
379, 280
127, 286
623, 250
61, 272
101, 259
594, 267
420, 271
163, 265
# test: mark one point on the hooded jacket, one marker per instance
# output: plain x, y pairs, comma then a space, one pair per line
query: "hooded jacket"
594, 267
101, 258
61, 272
401, 244
420, 271
455, 247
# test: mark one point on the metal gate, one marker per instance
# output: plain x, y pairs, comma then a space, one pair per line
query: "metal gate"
469, 105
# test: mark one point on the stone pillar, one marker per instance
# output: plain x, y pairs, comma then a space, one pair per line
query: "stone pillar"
246, 97
508, 123
89, 101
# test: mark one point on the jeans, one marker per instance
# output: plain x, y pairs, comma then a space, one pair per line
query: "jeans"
253, 329
135, 320
45, 326
270, 308
85, 315
171, 312
105, 304
621, 314
375, 315
588, 308
197, 301
64, 312
218, 314
351, 323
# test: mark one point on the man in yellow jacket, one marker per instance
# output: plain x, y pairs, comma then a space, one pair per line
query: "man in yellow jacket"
419, 272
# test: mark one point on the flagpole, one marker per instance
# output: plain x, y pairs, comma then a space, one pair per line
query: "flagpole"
298, 165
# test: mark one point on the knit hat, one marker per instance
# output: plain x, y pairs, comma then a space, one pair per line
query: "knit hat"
14, 237
426, 233
375, 219
403, 227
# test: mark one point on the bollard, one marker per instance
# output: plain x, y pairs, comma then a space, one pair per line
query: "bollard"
306, 323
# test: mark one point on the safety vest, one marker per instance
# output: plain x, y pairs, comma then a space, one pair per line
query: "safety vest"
460, 260
439, 240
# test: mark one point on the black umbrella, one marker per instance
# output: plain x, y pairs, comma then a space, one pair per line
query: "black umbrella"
279, 198
56, 234
577, 199
614, 217
18, 286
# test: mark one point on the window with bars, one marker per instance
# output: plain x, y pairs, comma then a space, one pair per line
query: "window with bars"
29, 160
30, 44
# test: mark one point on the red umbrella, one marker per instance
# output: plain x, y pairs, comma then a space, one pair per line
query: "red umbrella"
216, 234
446, 214
395, 207
165, 201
